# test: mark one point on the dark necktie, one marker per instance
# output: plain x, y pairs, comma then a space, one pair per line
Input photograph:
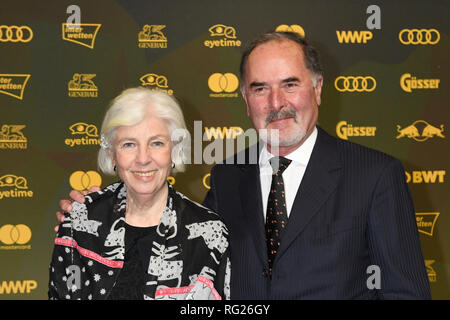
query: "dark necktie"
276, 216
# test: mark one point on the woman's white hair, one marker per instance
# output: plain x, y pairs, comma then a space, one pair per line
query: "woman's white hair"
129, 108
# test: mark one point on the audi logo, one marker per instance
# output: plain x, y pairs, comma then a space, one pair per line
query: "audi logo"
15, 34
419, 36
352, 84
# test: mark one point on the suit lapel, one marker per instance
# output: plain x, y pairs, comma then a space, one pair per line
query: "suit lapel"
319, 181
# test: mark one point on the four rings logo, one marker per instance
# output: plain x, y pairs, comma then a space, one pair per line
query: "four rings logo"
11, 137
19, 234
419, 36
352, 84
83, 34
292, 28
426, 222
420, 131
219, 83
151, 36
80, 180
89, 131
13, 84
15, 34
156, 82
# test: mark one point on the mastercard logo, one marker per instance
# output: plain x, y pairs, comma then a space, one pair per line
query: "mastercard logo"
80, 180
18, 234
292, 28
227, 82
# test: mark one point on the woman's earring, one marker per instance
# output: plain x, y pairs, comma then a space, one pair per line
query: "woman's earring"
115, 169
173, 165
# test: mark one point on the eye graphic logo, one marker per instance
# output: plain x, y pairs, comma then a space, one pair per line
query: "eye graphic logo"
80, 180
83, 34
428, 131
84, 128
159, 82
10, 180
292, 28
419, 36
219, 30
227, 82
355, 84
19, 234
15, 34
13, 84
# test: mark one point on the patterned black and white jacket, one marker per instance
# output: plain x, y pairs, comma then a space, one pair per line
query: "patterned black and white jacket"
189, 256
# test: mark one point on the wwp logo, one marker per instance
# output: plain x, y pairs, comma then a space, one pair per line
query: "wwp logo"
17, 287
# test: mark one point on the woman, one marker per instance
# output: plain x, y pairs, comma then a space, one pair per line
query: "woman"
139, 238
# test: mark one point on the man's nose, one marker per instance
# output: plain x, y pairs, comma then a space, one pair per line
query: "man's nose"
276, 99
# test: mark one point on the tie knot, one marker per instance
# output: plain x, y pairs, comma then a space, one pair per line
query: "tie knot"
279, 164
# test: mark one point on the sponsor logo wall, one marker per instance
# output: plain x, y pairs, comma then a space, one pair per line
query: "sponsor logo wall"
385, 86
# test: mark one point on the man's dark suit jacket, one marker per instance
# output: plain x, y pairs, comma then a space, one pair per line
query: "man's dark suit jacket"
353, 209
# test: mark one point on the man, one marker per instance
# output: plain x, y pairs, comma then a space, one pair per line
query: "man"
344, 224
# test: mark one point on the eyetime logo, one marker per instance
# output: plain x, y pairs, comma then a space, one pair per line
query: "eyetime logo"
347, 36
16, 187
82, 86
345, 130
85, 135
355, 84
15, 34
17, 287
156, 82
80, 180
223, 132
429, 176
223, 85
419, 36
11, 137
292, 28
227, 33
151, 36
407, 83
13, 84
426, 222
83, 34
15, 237
432, 276
420, 131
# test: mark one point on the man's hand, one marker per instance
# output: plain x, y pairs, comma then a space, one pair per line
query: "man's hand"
66, 205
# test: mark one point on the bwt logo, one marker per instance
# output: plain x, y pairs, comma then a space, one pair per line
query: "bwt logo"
353, 36
80, 180
355, 84
419, 36
295, 28
15, 34
220, 83
15, 287
18, 234
430, 176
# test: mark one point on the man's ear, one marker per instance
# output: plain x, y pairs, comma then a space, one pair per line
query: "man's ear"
244, 96
318, 89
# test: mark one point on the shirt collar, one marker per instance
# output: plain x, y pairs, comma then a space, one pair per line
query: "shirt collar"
300, 155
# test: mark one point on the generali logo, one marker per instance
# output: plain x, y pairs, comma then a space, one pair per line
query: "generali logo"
82, 86
82, 134
420, 131
83, 34
151, 36
13, 84
12, 137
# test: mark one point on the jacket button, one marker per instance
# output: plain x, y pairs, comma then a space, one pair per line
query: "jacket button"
265, 273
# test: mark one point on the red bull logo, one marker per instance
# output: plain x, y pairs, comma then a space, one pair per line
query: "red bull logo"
420, 131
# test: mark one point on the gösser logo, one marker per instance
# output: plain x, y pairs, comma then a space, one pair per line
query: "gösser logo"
227, 82
344, 130
15, 34
352, 84
19, 234
419, 36
80, 180
407, 83
292, 28
428, 131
